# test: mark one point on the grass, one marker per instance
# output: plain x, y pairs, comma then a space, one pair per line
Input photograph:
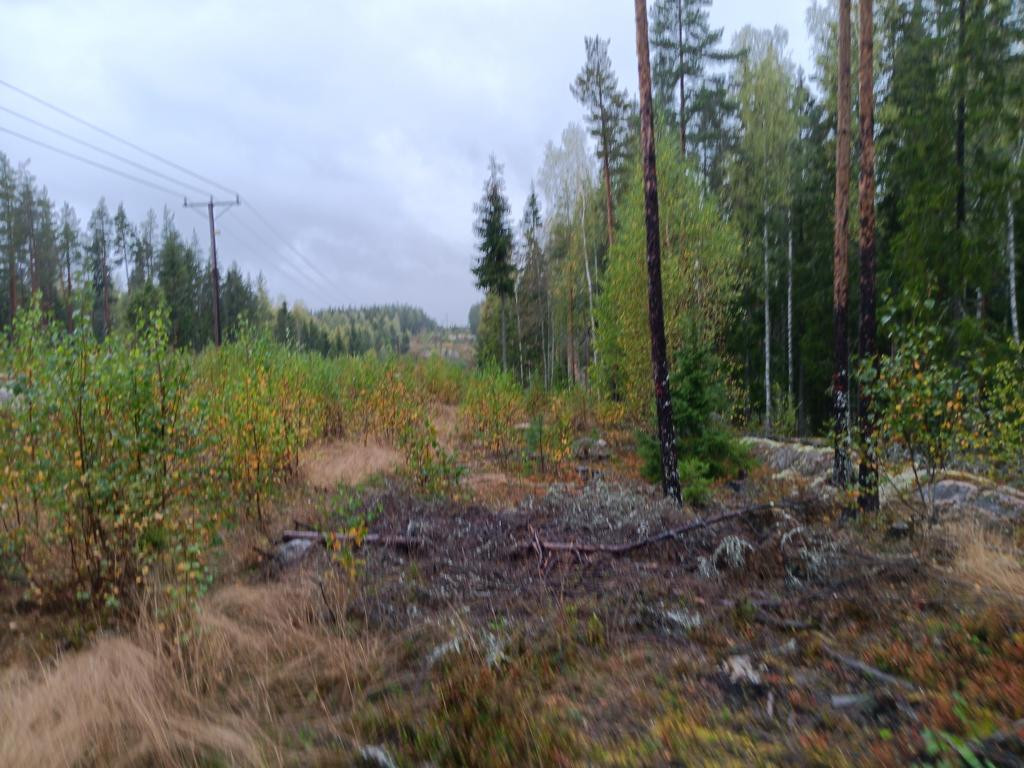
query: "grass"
988, 560
259, 667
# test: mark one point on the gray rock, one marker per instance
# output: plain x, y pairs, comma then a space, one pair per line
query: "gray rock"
852, 700
898, 530
684, 620
1001, 503
740, 671
5, 395
591, 448
444, 649
792, 460
375, 757
952, 492
291, 552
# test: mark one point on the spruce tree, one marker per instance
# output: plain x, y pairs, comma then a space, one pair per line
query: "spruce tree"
494, 270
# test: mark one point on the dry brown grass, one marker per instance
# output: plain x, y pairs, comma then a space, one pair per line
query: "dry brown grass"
327, 464
259, 665
989, 560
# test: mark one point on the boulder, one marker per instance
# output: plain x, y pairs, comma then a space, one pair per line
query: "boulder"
792, 459
589, 448
291, 552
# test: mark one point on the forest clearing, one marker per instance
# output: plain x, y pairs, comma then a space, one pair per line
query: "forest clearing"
725, 468
384, 597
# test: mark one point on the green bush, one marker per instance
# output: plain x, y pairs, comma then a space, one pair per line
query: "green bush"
705, 447
105, 454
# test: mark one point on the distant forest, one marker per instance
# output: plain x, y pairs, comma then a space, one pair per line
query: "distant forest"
112, 272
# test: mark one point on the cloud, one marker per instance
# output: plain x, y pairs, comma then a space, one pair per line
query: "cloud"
360, 130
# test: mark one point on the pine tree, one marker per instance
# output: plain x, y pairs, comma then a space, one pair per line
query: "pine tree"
68, 246
100, 236
841, 352
683, 43
659, 361
607, 114
868, 473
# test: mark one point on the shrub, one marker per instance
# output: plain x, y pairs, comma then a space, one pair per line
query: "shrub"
705, 447
924, 406
491, 411
105, 475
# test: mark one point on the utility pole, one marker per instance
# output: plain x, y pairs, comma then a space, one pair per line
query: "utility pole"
214, 272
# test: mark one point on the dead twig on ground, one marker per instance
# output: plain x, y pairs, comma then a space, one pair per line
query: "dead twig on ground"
617, 550
867, 670
402, 542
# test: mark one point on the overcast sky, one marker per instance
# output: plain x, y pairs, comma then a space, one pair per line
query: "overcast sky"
360, 130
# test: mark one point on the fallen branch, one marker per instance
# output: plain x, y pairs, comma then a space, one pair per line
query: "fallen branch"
370, 538
771, 620
617, 550
867, 670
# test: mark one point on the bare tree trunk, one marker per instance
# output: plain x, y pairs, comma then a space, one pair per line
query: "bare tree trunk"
68, 300
961, 123
609, 214
590, 284
789, 311
504, 345
840, 287
1011, 260
33, 273
519, 335
659, 361
570, 339
549, 340
868, 475
767, 330
12, 283
106, 298
682, 84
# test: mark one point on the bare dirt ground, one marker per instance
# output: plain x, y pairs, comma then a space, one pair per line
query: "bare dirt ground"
517, 629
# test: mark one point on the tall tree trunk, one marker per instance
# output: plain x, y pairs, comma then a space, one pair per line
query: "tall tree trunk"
1011, 262
504, 344
570, 339
68, 296
608, 212
682, 84
659, 361
106, 298
12, 282
868, 475
840, 287
519, 336
590, 283
789, 310
549, 339
33, 272
961, 144
767, 330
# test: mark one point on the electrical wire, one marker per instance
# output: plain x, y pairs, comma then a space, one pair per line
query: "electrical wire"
103, 151
263, 220
115, 137
259, 216
93, 163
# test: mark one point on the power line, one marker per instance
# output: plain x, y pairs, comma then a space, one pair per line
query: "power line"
262, 219
287, 243
116, 138
154, 185
106, 152
272, 250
